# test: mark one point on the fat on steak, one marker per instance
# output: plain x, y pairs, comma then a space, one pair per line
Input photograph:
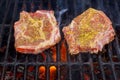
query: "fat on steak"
36, 32
89, 32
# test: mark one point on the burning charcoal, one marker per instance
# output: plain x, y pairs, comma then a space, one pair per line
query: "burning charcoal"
30, 73
19, 74
42, 73
86, 76
97, 71
53, 51
87, 72
63, 52
8, 75
52, 73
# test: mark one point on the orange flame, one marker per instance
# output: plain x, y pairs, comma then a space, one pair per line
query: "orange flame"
63, 52
53, 53
52, 72
53, 69
42, 72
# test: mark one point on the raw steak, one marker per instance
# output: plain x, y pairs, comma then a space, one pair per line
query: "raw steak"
89, 32
36, 32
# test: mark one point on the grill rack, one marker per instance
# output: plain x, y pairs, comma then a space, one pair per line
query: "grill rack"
77, 66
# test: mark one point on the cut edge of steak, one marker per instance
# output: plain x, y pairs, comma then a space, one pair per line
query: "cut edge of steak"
41, 45
97, 43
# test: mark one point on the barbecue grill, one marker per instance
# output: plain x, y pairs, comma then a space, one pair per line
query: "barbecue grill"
56, 63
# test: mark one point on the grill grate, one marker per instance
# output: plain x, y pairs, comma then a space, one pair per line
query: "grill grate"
56, 63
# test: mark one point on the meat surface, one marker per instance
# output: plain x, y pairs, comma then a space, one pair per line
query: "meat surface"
36, 32
89, 32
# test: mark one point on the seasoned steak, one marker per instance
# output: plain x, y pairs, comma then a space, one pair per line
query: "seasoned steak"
89, 32
36, 32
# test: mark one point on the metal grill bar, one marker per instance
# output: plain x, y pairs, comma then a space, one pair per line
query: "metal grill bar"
79, 57
7, 45
74, 9
69, 66
117, 47
58, 59
112, 65
25, 72
80, 62
41, 4
101, 67
60, 63
36, 74
3, 23
91, 65
15, 8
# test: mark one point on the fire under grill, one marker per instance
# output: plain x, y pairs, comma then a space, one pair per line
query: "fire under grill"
56, 63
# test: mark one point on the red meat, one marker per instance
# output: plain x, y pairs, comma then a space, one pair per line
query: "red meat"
89, 32
36, 32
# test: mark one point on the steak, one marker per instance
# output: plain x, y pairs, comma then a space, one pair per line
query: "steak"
36, 32
89, 32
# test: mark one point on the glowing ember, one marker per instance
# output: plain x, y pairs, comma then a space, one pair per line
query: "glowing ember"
30, 73
42, 72
63, 52
8, 75
54, 53
52, 73
86, 76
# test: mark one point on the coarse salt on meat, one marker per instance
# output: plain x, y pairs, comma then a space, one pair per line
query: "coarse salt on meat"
89, 32
36, 32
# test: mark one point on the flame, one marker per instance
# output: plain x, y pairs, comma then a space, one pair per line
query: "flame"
53, 69
63, 52
42, 72
53, 53
52, 72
